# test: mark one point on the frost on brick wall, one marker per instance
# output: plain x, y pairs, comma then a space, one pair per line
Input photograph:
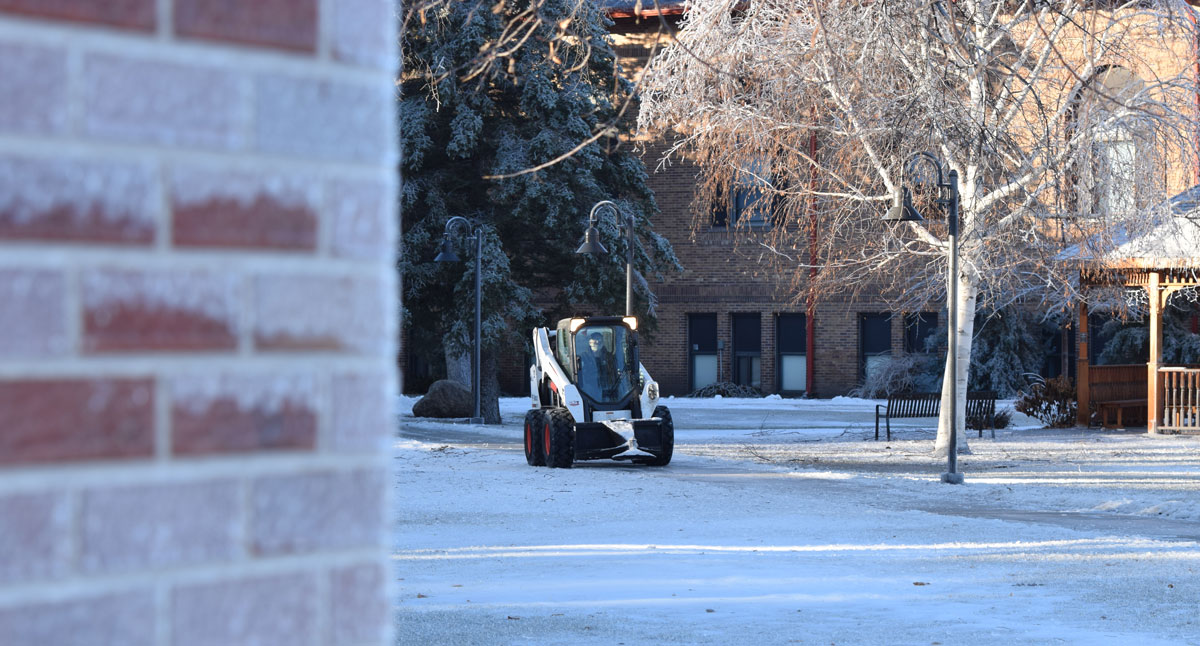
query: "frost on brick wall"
165, 103
268, 394
363, 32
190, 187
75, 198
332, 120
33, 82
33, 314
211, 295
320, 313
239, 209
360, 220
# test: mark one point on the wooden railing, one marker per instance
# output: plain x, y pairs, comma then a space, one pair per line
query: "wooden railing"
1110, 383
1181, 398
1119, 391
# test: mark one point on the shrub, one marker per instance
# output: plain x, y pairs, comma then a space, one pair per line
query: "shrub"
894, 375
726, 389
1050, 401
1001, 419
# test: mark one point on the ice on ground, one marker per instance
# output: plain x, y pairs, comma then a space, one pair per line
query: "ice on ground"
783, 521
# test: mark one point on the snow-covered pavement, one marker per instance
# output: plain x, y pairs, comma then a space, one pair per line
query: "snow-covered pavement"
782, 522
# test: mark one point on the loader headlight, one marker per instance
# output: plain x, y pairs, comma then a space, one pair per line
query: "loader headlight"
653, 390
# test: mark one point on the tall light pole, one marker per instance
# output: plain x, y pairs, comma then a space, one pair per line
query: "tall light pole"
591, 245
903, 210
447, 255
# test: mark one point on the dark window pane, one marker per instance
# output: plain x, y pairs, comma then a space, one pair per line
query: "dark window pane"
747, 333
790, 333
702, 332
917, 329
875, 333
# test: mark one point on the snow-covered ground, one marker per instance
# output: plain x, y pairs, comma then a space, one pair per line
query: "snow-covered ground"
783, 522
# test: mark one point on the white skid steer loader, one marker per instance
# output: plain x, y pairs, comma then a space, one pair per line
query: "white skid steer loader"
590, 397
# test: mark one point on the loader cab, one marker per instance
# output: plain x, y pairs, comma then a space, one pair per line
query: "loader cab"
600, 356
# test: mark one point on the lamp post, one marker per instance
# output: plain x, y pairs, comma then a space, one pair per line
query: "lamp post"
591, 245
903, 210
447, 255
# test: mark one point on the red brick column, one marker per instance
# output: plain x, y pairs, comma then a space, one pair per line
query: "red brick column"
197, 321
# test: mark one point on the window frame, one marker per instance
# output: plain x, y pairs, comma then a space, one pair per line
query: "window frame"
780, 353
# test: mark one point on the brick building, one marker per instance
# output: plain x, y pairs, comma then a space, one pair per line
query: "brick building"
197, 290
729, 316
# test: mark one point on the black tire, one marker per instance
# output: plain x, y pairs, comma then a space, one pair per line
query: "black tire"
668, 437
533, 438
558, 438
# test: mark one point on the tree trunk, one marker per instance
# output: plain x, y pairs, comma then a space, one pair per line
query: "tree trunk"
489, 403
967, 292
458, 366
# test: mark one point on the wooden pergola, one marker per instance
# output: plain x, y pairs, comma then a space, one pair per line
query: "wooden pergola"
1163, 262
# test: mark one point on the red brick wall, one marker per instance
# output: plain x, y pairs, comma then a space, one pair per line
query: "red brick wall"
197, 223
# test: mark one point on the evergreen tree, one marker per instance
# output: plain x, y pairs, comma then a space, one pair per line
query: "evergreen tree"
1007, 348
462, 121
1128, 340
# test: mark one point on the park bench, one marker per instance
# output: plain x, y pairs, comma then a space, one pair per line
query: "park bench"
1119, 406
981, 405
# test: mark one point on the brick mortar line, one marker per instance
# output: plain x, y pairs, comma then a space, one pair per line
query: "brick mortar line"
192, 53
162, 422
322, 623
73, 311
245, 320
78, 475
325, 412
68, 146
325, 30
73, 588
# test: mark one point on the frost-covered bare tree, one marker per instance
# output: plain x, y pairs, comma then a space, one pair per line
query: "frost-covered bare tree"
1065, 120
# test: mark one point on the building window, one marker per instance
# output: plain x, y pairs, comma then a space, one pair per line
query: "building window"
750, 202
702, 349
874, 343
747, 350
918, 327
1118, 142
1116, 186
791, 343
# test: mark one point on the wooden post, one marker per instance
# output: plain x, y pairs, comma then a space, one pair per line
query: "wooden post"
1083, 403
1153, 389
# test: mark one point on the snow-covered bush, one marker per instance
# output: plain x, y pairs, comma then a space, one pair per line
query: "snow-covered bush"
1001, 419
890, 375
726, 389
1050, 401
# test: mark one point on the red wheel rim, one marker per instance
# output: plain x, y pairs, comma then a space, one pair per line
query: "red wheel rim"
546, 435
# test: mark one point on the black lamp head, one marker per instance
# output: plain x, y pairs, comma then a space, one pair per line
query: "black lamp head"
447, 254
591, 242
902, 208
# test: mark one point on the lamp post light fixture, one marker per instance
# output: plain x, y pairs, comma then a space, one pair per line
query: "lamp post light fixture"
591, 245
903, 210
447, 255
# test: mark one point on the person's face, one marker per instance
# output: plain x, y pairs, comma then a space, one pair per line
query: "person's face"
594, 344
